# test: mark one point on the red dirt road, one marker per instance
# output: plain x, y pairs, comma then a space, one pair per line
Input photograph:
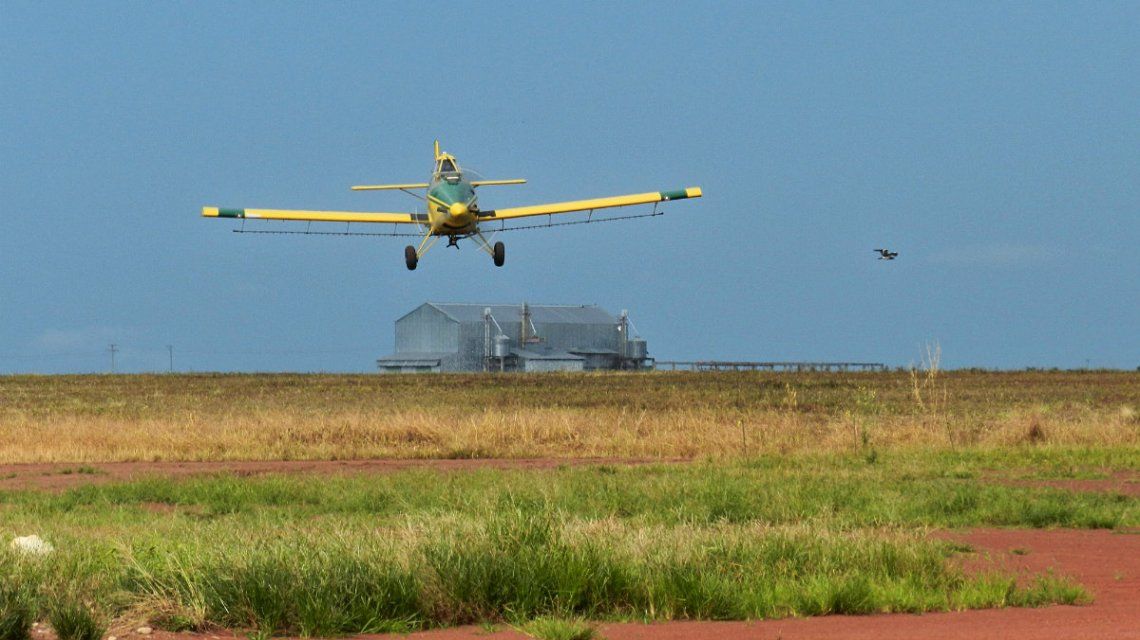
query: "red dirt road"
61, 476
1122, 482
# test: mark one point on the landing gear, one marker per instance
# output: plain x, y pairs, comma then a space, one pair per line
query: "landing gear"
410, 257
499, 254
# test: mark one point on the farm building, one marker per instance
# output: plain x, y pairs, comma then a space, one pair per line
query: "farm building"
438, 337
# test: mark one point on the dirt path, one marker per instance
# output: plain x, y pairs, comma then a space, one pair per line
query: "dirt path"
1122, 482
60, 476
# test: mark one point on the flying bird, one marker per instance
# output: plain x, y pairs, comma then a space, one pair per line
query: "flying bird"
887, 254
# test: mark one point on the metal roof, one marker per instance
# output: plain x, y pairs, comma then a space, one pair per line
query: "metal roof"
539, 313
552, 355
412, 358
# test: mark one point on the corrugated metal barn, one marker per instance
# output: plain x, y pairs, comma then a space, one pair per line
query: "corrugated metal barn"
438, 337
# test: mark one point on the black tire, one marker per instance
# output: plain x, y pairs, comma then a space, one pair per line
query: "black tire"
410, 257
500, 254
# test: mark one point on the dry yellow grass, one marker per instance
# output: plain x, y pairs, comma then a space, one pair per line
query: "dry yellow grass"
274, 417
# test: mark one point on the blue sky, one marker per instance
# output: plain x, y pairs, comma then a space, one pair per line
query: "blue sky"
995, 146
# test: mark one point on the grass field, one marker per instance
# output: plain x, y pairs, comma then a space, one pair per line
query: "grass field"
292, 417
760, 538
808, 494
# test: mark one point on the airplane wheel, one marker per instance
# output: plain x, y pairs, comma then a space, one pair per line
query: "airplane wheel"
500, 254
410, 257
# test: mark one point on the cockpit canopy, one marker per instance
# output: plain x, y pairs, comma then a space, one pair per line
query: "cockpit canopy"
447, 170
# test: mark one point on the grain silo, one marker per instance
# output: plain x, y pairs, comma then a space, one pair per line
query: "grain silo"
440, 337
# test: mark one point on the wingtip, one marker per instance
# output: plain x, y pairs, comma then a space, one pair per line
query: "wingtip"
209, 212
693, 192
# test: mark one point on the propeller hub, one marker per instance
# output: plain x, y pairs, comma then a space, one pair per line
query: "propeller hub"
458, 209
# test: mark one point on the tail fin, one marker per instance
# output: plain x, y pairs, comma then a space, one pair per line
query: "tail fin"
437, 149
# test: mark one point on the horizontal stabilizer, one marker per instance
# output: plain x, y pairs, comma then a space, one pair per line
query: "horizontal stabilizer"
488, 183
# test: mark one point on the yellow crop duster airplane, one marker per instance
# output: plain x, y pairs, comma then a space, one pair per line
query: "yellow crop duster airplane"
453, 210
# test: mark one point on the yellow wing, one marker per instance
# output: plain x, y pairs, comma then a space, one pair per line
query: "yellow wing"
315, 216
383, 187
585, 205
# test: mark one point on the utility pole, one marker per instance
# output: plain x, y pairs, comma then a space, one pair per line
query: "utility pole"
170, 350
114, 348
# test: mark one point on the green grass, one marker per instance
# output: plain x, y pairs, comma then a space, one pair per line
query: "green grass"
522, 566
899, 491
759, 538
16, 611
73, 620
559, 629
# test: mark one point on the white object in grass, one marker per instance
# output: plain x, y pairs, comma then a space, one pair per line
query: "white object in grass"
31, 545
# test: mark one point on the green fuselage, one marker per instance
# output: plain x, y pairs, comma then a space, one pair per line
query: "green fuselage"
452, 204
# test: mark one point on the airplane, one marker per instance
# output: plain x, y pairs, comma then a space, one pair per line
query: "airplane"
887, 254
453, 210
